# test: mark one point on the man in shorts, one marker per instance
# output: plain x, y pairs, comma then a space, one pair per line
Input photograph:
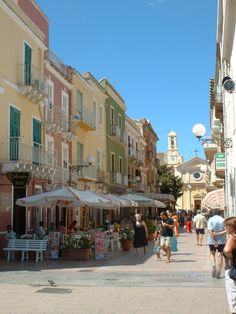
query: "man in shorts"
216, 242
200, 223
167, 226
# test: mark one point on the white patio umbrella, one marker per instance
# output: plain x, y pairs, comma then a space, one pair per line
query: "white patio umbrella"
68, 197
143, 201
121, 201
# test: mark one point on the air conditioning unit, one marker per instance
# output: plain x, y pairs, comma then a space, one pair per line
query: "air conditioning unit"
216, 126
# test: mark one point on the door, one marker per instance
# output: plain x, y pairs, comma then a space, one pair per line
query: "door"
79, 104
27, 64
14, 133
80, 157
37, 140
19, 212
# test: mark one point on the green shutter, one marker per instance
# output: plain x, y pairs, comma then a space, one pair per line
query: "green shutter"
79, 106
27, 64
14, 133
37, 140
80, 154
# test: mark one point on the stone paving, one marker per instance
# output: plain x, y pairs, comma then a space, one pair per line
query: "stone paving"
124, 283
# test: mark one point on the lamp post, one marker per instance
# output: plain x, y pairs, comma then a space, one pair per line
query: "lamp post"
199, 131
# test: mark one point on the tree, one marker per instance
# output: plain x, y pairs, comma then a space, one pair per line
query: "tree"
168, 182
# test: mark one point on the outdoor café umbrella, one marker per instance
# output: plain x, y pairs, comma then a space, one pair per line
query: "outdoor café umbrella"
68, 197
122, 202
142, 200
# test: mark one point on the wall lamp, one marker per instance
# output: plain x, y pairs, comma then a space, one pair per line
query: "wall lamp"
199, 131
90, 160
228, 84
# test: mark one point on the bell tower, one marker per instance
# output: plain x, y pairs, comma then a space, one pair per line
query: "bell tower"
173, 156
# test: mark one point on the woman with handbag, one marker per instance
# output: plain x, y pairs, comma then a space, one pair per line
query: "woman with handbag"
230, 253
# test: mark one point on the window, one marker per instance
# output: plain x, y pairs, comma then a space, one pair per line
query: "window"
37, 140
112, 116
172, 142
50, 149
112, 162
49, 102
120, 121
120, 164
95, 112
99, 160
65, 110
79, 103
197, 176
65, 161
101, 119
27, 64
14, 133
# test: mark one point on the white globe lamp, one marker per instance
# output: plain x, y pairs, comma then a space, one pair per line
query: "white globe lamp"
199, 130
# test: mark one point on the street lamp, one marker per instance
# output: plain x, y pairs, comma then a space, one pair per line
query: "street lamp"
199, 131
90, 160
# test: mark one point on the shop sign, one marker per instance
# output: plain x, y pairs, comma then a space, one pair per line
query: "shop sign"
19, 179
220, 161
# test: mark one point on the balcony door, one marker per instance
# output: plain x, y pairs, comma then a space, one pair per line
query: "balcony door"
27, 64
37, 141
14, 133
80, 157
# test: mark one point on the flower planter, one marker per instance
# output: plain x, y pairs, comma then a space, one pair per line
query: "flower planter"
126, 245
76, 254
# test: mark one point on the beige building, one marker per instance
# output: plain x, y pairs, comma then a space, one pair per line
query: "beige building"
193, 176
135, 155
89, 143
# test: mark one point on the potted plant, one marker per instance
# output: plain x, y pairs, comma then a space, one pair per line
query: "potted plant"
126, 238
151, 229
78, 247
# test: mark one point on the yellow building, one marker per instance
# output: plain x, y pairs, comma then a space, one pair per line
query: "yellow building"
194, 183
23, 156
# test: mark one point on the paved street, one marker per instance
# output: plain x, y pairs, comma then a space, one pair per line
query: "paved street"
123, 284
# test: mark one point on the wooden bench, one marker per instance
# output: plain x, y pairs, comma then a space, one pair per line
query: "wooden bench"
26, 246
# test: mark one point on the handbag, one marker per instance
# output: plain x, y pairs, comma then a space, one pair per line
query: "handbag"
232, 273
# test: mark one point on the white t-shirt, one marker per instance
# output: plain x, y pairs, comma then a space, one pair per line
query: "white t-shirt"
200, 221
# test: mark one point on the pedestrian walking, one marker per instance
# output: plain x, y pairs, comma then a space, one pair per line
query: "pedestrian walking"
167, 226
173, 215
200, 223
230, 253
189, 223
216, 241
157, 245
140, 234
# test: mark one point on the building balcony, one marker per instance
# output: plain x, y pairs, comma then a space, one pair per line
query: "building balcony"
210, 149
86, 174
118, 135
102, 176
85, 120
17, 154
118, 178
58, 64
31, 83
150, 155
56, 121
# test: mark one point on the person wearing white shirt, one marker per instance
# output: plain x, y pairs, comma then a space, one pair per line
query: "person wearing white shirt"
10, 233
200, 223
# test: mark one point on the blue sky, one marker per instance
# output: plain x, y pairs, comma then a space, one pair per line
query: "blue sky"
158, 54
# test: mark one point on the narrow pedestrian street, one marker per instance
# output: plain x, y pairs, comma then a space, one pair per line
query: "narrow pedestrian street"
124, 283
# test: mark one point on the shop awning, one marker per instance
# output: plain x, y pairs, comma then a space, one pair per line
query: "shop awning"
143, 201
160, 197
214, 199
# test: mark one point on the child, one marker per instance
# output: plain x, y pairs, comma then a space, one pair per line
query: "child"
157, 245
